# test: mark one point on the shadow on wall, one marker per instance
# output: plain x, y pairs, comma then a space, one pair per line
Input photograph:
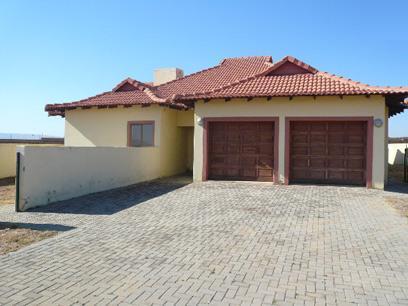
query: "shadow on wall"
399, 157
396, 179
115, 200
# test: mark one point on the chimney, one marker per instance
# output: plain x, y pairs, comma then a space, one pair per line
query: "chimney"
164, 75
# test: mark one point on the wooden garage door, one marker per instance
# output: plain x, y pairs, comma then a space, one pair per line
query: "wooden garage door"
328, 152
241, 150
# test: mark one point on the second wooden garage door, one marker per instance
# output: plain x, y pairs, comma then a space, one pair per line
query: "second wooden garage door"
328, 152
241, 150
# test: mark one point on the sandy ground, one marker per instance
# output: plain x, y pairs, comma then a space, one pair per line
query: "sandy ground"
13, 237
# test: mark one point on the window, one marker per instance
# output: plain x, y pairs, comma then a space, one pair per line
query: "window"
141, 134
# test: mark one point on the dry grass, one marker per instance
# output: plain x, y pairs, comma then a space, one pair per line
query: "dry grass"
13, 238
399, 204
7, 191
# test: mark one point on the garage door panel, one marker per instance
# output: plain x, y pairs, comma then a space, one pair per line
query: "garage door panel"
233, 148
328, 152
217, 160
317, 126
265, 173
338, 138
355, 151
300, 150
317, 150
298, 127
300, 138
335, 163
300, 162
355, 177
265, 149
216, 171
356, 164
317, 163
336, 150
232, 172
336, 175
265, 164
232, 160
219, 148
248, 150
317, 138
336, 127
317, 175
265, 136
355, 139
300, 174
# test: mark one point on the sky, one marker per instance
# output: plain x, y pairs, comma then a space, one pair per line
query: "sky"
62, 51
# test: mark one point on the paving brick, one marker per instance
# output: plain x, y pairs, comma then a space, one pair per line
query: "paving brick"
238, 243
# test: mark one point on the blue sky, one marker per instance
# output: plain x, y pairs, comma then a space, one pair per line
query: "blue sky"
60, 51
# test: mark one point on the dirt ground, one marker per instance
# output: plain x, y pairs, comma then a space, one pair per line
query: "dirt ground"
7, 191
13, 237
400, 204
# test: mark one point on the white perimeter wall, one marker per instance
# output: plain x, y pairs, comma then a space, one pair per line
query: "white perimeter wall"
396, 153
8, 157
54, 174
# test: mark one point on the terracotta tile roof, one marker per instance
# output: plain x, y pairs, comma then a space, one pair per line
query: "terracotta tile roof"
280, 82
121, 95
244, 77
319, 84
230, 70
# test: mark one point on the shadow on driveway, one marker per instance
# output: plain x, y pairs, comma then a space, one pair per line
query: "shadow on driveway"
115, 200
397, 187
35, 226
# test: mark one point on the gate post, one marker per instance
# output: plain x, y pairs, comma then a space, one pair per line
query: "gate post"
406, 166
17, 204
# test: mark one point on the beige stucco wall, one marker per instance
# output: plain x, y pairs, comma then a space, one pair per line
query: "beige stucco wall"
396, 153
358, 106
185, 118
190, 148
8, 158
173, 146
58, 173
386, 146
108, 127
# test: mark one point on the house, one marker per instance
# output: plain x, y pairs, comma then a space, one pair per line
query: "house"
246, 118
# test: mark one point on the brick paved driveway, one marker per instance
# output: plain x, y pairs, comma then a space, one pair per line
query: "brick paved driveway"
215, 242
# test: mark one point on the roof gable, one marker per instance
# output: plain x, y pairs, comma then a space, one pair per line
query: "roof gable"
130, 84
290, 66
288, 69
126, 87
